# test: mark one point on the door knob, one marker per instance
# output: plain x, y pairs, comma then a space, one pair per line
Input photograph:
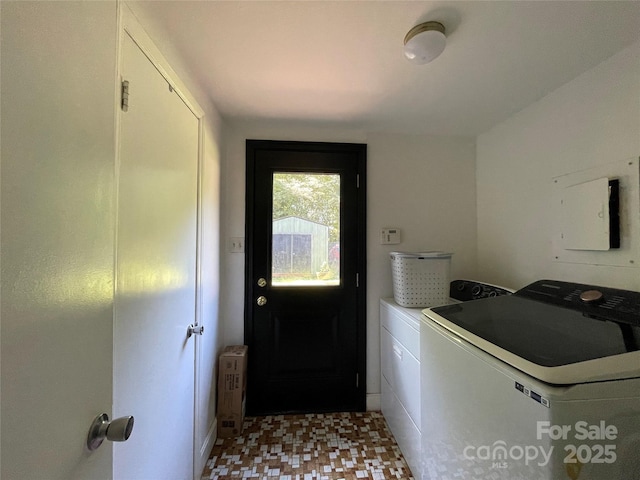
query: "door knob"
195, 330
118, 430
261, 301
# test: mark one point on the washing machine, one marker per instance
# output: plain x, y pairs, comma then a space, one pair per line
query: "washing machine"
543, 384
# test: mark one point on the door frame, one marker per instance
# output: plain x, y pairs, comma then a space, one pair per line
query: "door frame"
250, 288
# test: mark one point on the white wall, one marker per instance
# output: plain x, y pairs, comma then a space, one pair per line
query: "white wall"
591, 121
426, 187
422, 185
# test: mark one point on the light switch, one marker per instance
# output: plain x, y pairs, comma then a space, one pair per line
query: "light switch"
236, 244
390, 236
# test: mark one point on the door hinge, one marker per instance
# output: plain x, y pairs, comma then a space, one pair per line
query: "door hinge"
357, 280
358, 180
124, 102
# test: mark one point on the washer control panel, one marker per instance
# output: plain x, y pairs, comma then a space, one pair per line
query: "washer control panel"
614, 304
465, 290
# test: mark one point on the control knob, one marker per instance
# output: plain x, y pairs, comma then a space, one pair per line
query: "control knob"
591, 296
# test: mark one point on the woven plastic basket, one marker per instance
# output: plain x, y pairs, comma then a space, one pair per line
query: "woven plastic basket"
420, 279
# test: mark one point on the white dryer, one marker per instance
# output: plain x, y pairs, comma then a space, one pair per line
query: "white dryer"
400, 365
400, 379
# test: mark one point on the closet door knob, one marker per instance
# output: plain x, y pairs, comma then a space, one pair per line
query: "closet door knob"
195, 330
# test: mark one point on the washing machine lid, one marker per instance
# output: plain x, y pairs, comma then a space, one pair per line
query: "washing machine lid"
558, 332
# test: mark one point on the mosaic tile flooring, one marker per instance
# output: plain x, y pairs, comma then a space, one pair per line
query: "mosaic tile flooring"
310, 447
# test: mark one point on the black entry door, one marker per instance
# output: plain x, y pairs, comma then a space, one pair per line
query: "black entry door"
305, 277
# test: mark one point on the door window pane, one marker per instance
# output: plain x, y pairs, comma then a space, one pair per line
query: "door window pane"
291, 254
305, 247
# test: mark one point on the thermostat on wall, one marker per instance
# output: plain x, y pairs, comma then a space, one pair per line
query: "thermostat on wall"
390, 236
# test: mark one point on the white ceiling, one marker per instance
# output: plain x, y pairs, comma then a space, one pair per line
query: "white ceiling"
341, 62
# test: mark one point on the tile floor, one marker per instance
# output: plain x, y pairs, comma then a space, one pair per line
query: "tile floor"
310, 447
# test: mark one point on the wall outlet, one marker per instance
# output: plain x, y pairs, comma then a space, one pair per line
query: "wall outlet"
390, 236
236, 244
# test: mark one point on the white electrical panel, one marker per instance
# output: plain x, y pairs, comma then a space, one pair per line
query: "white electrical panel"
585, 216
575, 215
390, 236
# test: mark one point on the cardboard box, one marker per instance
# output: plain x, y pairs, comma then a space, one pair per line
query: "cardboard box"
232, 388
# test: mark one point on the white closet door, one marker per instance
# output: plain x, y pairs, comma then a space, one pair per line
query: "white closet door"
156, 276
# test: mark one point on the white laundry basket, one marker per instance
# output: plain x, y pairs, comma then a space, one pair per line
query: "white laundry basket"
420, 279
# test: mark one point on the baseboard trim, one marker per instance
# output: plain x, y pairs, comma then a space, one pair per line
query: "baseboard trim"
212, 435
205, 450
374, 402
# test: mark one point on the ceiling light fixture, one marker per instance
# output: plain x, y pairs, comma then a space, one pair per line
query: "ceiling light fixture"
424, 42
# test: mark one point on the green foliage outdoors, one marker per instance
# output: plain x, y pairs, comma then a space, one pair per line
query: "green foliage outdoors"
314, 197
